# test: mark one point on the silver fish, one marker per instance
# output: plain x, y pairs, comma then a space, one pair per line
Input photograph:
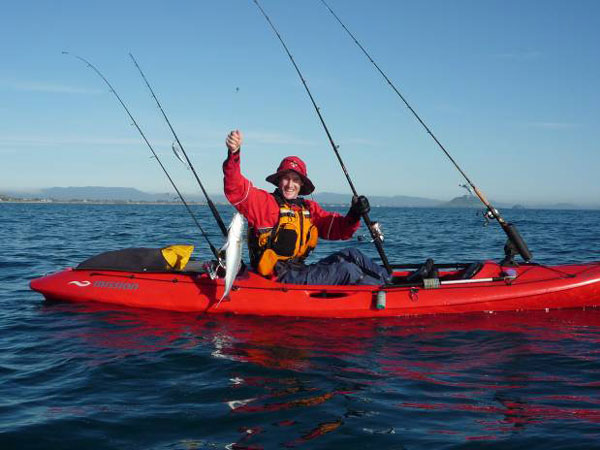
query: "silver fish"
233, 252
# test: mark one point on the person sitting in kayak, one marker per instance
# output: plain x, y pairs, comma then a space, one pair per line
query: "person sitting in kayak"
284, 227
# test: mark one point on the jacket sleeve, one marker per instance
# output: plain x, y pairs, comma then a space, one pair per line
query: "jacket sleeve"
256, 205
332, 225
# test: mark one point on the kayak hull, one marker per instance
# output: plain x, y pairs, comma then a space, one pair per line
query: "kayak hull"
534, 287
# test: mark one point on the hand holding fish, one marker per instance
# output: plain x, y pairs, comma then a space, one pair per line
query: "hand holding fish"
234, 141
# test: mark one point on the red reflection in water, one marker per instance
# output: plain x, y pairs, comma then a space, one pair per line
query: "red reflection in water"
514, 412
411, 351
255, 337
303, 402
320, 430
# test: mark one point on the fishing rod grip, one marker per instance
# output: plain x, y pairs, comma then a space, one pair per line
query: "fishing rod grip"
377, 242
515, 237
510, 229
481, 196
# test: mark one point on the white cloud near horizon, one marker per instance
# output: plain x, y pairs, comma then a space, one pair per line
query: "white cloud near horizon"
9, 141
274, 138
217, 141
554, 125
41, 86
363, 142
270, 138
525, 55
210, 139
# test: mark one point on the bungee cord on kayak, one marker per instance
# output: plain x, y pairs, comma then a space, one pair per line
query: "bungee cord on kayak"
211, 205
373, 227
516, 241
204, 234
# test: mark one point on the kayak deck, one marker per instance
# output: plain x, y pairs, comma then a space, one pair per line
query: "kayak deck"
492, 288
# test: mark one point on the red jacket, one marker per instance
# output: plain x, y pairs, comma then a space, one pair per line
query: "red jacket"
261, 210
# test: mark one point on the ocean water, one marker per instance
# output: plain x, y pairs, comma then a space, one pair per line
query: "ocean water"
96, 376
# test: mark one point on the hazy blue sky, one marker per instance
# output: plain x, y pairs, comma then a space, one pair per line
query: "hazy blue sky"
512, 88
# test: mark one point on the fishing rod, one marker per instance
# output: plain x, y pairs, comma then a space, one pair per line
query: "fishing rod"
510, 229
372, 226
211, 205
91, 66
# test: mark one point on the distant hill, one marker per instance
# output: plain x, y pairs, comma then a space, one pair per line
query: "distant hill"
126, 194
464, 201
329, 198
90, 193
470, 201
102, 193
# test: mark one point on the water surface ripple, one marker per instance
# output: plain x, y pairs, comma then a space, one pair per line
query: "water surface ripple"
95, 376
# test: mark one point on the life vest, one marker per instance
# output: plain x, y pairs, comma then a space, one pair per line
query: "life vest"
292, 239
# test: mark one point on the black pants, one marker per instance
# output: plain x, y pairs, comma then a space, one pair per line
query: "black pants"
348, 266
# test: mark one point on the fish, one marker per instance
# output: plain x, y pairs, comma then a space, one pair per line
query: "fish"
233, 253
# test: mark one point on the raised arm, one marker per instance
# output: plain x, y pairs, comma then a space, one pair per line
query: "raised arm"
256, 205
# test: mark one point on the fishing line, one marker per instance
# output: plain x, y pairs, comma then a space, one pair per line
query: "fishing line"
91, 66
211, 205
510, 229
371, 226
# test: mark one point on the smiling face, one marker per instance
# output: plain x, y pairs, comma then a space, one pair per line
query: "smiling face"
290, 184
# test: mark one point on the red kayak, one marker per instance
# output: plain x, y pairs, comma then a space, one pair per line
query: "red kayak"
458, 288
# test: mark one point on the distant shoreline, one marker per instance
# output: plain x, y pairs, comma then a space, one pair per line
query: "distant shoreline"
196, 203
103, 195
142, 202
99, 202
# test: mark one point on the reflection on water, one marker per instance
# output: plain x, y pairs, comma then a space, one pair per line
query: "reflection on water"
93, 376
473, 377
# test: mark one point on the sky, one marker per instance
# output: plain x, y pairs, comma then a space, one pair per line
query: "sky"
510, 87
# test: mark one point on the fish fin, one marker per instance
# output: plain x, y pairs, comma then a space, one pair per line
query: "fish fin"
224, 248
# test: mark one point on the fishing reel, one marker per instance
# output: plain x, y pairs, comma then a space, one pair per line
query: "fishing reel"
214, 269
488, 216
375, 231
